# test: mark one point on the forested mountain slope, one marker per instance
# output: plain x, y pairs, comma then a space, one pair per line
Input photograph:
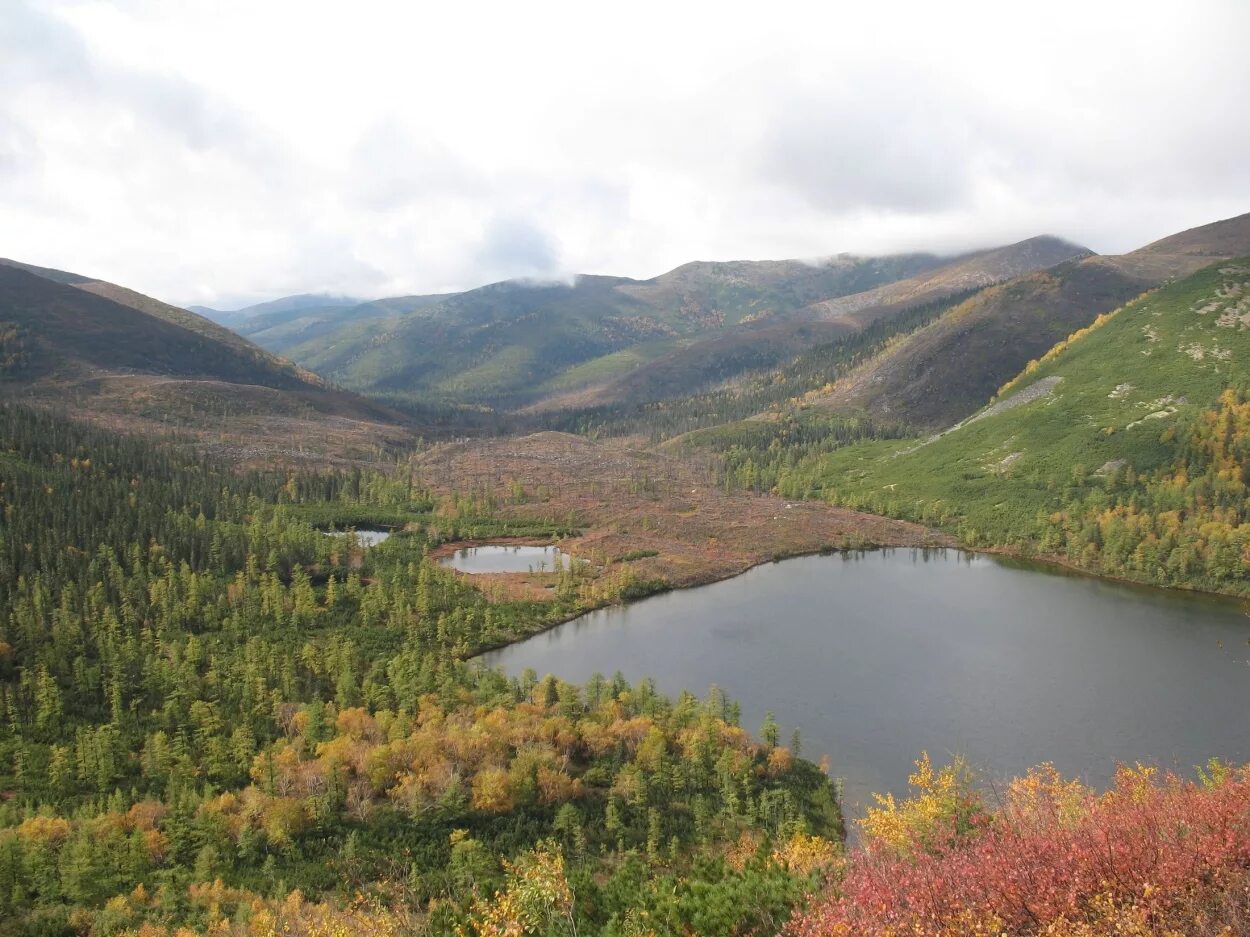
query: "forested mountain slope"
603, 340
105, 327
943, 372
980, 269
1124, 450
281, 330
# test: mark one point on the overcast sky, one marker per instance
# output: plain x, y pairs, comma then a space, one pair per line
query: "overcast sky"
225, 151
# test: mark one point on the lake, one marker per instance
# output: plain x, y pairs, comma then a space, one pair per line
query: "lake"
507, 558
878, 656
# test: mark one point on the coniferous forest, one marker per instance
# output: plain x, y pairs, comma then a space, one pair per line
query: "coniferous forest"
217, 715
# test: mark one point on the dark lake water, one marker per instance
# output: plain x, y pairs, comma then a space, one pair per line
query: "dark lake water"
878, 656
505, 558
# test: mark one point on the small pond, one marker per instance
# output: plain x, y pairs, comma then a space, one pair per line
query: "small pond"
506, 558
365, 536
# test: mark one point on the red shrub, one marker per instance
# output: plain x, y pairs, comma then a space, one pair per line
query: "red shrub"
1056, 859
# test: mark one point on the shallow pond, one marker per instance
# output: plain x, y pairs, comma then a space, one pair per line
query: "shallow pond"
365, 536
881, 655
506, 558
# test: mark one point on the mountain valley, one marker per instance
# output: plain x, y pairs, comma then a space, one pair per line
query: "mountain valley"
269, 687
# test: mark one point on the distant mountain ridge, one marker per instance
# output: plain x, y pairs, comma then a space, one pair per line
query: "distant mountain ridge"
283, 306
1220, 239
603, 339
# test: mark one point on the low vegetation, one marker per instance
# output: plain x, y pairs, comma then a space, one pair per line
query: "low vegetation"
1154, 855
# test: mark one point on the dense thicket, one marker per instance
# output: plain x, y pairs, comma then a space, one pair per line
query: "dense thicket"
1154, 856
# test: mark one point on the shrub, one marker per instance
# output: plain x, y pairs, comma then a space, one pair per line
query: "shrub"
1153, 855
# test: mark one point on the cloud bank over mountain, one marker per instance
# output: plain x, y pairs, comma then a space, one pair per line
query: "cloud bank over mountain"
222, 152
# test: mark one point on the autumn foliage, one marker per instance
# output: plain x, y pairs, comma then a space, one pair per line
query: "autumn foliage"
1154, 855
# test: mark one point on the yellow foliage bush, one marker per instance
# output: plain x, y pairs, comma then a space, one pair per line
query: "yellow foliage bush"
803, 854
944, 799
44, 830
491, 793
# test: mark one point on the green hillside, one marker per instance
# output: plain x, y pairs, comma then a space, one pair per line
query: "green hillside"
498, 344
289, 306
293, 321
1116, 452
758, 396
944, 372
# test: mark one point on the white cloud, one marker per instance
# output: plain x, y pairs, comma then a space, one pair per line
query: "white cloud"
218, 150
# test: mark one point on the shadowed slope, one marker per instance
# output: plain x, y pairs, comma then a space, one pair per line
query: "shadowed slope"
105, 350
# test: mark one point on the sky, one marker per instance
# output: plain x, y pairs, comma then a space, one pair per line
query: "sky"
221, 152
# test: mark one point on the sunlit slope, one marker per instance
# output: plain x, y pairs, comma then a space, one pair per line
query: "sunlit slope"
1114, 403
945, 371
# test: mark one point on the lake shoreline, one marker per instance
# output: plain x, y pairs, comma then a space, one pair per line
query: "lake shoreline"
667, 586
1069, 568
1052, 565
938, 649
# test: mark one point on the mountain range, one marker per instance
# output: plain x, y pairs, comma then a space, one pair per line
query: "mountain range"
279, 309
606, 340
915, 339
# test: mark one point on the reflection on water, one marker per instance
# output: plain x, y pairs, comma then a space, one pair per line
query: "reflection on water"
505, 558
365, 536
881, 655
